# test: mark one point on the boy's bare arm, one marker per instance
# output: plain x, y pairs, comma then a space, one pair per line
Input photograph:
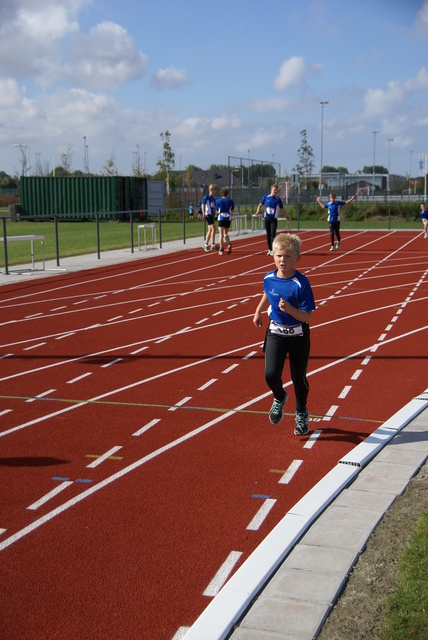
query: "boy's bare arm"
257, 320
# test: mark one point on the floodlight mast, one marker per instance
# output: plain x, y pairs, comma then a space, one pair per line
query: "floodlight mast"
323, 103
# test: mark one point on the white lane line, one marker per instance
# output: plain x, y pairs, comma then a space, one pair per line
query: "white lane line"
164, 339
3, 413
134, 353
40, 395
366, 360
312, 439
356, 374
6, 355
222, 574
201, 321
261, 515
250, 355
330, 412
134, 311
34, 346
84, 375
207, 384
109, 364
50, 495
229, 369
114, 319
66, 335
180, 403
290, 473
344, 392
146, 427
103, 457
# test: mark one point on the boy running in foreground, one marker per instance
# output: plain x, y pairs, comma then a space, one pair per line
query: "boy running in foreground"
291, 302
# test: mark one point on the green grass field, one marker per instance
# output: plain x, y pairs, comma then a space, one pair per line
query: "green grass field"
407, 606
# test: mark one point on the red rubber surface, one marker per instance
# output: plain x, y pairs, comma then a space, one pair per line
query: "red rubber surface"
126, 548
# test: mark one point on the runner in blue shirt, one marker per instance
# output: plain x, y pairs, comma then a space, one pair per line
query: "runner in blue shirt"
208, 214
224, 208
291, 302
272, 204
424, 216
334, 216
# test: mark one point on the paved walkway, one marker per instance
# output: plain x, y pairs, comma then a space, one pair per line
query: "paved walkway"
287, 587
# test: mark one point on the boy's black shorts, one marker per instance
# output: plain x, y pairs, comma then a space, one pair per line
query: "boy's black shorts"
224, 223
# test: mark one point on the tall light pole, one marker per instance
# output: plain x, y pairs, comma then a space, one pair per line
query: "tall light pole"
85, 156
389, 160
322, 138
27, 157
374, 157
410, 175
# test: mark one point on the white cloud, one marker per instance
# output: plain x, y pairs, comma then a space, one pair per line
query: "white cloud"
40, 39
421, 22
170, 78
225, 122
10, 94
271, 105
260, 139
106, 58
29, 36
384, 102
291, 73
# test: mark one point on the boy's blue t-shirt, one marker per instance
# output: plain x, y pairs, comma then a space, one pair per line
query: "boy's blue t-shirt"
209, 202
296, 290
424, 214
224, 208
272, 205
334, 210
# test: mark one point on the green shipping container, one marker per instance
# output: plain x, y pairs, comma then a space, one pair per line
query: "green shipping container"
111, 196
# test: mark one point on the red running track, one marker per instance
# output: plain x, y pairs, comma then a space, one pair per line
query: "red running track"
136, 452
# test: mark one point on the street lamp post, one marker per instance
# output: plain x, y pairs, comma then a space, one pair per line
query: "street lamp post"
389, 161
410, 175
374, 157
322, 137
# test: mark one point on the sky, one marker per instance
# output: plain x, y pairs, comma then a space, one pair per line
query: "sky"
231, 79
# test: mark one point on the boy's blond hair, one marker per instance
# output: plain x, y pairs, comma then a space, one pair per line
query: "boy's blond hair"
287, 241
212, 187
